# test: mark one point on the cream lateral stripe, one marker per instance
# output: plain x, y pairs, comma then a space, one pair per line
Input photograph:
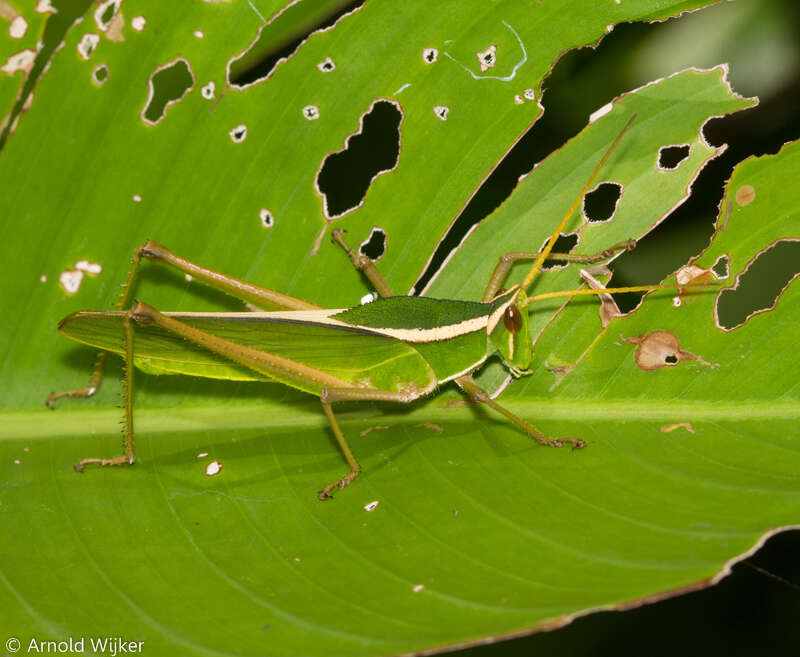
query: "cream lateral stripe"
323, 318
494, 318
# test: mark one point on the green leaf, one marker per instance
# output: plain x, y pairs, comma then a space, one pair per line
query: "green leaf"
477, 532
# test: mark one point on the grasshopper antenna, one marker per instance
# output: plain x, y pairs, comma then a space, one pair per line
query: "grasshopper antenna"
537, 265
690, 287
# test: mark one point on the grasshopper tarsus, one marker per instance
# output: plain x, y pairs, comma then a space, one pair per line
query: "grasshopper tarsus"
117, 460
325, 493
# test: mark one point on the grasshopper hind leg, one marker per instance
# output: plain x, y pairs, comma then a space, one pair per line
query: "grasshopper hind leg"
129, 457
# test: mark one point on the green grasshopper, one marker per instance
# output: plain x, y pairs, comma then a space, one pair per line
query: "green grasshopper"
397, 348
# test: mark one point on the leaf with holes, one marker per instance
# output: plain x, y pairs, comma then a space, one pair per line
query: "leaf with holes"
215, 543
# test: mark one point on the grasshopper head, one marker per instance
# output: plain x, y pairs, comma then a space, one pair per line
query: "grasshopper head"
511, 332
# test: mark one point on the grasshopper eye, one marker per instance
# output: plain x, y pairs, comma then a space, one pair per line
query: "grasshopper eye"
512, 319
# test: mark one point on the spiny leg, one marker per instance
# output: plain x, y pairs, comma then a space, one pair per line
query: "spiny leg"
364, 265
155, 252
468, 385
129, 456
99, 369
261, 297
332, 389
507, 261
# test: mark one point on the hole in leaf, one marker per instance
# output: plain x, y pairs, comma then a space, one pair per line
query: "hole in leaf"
564, 244
87, 45
168, 85
280, 38
487, 58
441, 111
671, 359
100, 74
669, 157
345, 176
327, 65
430, 55
238, 134
600, 204
760, 284
375, 245
266, 218
105, 12
720, 267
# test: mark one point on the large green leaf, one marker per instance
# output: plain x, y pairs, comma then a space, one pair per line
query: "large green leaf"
478, 532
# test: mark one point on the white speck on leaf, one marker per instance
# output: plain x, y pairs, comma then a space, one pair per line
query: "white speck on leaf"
138, 23
91, 268
371, 506
70, 281
207, 91
21, 61
18, 27
213, 468
87, 45
441, 111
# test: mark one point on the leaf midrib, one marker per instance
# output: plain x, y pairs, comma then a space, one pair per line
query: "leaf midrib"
27, 424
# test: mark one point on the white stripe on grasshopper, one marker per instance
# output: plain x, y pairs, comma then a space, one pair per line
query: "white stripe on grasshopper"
324, 318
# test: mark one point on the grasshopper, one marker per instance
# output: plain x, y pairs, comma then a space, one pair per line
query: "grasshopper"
406, 346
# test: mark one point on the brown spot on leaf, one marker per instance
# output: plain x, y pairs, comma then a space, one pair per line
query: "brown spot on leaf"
371, 429
745, 195
608, 307
659, 349
667, 428
430, 425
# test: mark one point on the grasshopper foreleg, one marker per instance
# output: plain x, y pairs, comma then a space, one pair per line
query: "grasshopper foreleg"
508, 260
364, 265
478, 394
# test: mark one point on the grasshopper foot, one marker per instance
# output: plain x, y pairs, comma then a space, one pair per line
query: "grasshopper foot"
88, 391
117, 460
325, 493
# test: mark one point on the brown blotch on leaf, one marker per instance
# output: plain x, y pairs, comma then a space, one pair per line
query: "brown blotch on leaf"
745, 195
371, 429
659, 349
609, 309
